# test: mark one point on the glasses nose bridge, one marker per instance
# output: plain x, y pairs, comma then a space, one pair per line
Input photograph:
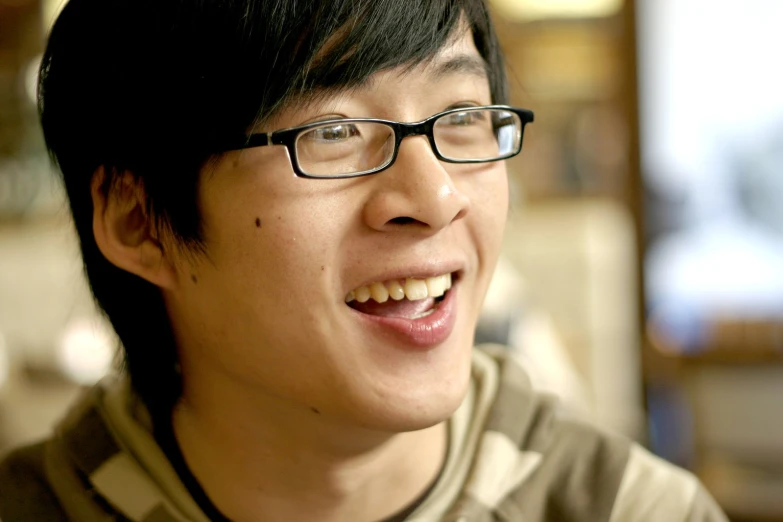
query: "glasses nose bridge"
422, 128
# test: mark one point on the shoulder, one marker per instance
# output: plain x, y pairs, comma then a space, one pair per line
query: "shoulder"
25, 493
653, 489
568, 469
586, 474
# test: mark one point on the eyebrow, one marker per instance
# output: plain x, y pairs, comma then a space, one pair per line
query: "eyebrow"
468, 64
461, 64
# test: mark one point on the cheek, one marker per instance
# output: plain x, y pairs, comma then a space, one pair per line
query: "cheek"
489, 205
271, 245
271, 253
268, 223
498, 197
267, 282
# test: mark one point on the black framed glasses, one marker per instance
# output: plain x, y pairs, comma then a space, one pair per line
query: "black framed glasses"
353, 147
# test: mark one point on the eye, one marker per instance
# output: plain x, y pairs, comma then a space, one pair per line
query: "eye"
464, 118
332, 133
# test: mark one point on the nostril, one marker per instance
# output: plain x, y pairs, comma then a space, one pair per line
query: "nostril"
404, 220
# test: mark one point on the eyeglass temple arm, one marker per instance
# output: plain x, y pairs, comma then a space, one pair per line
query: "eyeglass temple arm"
254, 140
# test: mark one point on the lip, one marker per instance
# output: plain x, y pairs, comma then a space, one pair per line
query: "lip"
421, 334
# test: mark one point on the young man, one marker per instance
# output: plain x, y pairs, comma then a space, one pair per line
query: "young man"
295, 271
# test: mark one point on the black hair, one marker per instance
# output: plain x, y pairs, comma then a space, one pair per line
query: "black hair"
151, 88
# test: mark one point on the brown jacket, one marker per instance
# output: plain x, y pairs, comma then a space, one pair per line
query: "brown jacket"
512, 458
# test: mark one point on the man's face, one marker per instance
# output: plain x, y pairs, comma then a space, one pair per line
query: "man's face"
265, 312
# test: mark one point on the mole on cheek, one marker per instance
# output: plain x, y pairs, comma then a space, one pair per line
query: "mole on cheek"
258, 222
193, 278
315, 410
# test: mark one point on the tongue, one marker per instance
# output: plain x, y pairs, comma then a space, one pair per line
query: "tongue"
391, 308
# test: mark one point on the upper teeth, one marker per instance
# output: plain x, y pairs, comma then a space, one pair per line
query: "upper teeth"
413, 289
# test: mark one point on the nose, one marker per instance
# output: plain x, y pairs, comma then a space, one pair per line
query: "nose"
415, 193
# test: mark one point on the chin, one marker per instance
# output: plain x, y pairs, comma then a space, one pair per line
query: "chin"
420, 407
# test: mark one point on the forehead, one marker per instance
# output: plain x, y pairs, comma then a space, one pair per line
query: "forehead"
457, 69
458, 58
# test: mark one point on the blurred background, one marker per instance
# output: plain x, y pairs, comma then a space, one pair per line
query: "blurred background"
642, 276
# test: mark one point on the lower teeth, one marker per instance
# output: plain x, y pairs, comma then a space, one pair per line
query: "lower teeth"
425, 314
435, 305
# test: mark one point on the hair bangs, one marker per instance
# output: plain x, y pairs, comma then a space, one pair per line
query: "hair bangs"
342, 44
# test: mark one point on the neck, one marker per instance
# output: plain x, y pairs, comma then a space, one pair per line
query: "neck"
267, 460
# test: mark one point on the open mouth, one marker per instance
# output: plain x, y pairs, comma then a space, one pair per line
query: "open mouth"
406, 299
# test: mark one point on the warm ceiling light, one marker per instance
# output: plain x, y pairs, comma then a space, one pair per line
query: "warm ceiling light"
526, 10
86, 350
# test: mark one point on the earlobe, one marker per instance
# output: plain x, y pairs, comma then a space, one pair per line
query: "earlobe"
124, 231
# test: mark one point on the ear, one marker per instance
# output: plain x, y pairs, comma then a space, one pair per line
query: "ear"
124, 230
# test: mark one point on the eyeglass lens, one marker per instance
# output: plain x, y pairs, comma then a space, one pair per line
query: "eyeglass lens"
336, 149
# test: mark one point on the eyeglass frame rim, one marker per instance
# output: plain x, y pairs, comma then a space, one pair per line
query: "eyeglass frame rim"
287, 137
